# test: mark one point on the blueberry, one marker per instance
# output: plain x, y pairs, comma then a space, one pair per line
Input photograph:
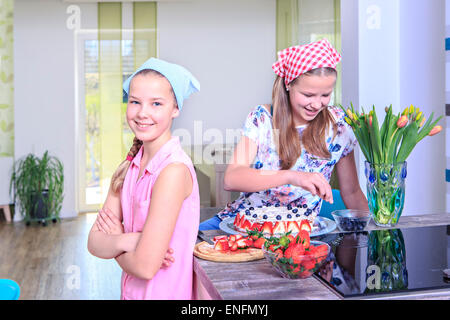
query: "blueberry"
251, 208
295, 210
305, 206
247, 212
278, 217
277, 205
289, 207
268, 204
255, 216
289, 216
265, 216
297, 215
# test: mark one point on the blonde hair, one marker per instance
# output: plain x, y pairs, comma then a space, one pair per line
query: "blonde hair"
120, 173
119, 176
289, 146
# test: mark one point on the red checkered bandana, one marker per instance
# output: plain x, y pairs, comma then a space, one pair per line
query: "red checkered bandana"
294, 61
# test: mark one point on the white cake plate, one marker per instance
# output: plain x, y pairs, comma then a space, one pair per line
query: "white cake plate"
324, 226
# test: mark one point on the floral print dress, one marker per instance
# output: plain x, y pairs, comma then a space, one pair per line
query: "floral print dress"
258, 127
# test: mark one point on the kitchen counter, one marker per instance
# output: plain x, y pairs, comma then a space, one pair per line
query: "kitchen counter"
257, 280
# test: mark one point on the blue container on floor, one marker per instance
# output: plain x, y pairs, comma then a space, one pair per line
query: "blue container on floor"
9, 290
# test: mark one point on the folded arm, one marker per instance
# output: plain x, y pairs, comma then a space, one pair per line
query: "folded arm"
172, 187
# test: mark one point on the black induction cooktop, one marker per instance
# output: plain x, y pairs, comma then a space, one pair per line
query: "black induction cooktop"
387, 262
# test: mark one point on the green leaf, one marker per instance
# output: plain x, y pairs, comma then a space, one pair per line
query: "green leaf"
409, 141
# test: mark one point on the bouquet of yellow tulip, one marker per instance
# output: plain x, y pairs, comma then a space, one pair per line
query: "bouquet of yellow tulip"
386, 150
397, 137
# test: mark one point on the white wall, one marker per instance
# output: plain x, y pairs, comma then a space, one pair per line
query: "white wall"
400, 61
229, 45
44, 87
422, 74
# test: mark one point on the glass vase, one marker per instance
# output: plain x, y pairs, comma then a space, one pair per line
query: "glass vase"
386, 260
386, 192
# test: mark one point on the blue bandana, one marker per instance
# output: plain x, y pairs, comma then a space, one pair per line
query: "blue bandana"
182, 81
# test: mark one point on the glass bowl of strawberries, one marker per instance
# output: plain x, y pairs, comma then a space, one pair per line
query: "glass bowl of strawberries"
295, 257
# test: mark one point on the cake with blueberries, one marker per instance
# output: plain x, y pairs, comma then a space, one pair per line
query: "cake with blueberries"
274, 220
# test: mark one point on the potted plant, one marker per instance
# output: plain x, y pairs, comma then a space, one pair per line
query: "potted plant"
38, 185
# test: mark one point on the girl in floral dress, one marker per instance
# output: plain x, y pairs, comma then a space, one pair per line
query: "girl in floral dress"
288, 149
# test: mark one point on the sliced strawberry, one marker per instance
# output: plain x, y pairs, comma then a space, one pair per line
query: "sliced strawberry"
267, 228
259, 243
242, 243
221, 245
280, 227
249, 242
238, 236
256, 226
246, 225
217, 238
241, 222
232, 238
233, 246
293, 227
305, 225
237, 220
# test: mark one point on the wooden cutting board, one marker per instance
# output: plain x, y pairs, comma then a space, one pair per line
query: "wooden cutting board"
206, 251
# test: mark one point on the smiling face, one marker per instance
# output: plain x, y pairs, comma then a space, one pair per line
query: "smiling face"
309, 95
151, 107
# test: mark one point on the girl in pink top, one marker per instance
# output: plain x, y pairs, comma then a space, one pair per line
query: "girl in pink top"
150, 219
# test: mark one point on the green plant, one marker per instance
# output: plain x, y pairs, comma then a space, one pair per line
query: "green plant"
31, 178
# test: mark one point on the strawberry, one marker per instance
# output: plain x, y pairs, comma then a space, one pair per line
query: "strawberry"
280, 227
242, 221
309, 263
291, 238
237, 220
293, 227
259, 243
241, 243
303, 237
232, 238
267, 228
233, 246
272, 247
305, 225
321, 250
217, 238
249, 242
256, 226
238, 236
297, 252
246, 225
221, 245
288, 251
278, 254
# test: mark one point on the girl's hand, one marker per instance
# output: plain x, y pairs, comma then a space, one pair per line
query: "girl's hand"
313, 182
108, 223
168, 259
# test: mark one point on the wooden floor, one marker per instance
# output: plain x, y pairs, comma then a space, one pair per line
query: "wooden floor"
52, 262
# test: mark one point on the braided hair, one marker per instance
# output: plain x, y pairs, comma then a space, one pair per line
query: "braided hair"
119, 176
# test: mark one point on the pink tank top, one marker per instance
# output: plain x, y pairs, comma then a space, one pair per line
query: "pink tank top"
174, 282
